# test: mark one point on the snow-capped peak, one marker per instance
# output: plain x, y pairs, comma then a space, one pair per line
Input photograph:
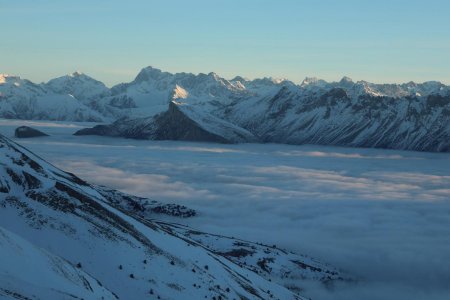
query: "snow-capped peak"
213, 75
364, 87
80, 85
346, 79
72, 77
150, 73
240, 79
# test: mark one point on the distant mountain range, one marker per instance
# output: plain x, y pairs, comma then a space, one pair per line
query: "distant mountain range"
206, 107
63, 238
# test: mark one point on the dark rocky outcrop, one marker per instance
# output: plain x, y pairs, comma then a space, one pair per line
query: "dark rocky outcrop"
28, 132
173, 124
105, 130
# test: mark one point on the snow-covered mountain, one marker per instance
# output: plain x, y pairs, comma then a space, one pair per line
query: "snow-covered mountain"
407, 116
207, 107
152, 90
336, 118
79, 85
22, 99
66, 238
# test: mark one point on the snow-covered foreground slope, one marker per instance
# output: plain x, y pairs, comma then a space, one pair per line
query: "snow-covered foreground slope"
112, 237
269, 261
27, 272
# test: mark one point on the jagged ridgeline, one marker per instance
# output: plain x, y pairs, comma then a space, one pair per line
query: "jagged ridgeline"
63, 238
205, 107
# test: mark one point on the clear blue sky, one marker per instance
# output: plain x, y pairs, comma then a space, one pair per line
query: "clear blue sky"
375, 40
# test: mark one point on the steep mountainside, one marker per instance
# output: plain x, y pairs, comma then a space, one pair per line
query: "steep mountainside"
335, 118
179, 122
113, 237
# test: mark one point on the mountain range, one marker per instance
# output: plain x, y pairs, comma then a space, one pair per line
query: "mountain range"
206, 107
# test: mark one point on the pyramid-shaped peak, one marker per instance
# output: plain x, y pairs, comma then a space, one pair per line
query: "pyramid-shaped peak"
240, 78
213, 75
150, 69
150, 73
346, 79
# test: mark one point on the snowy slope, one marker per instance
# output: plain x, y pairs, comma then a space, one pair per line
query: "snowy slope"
133, 256
285, 268
28, 272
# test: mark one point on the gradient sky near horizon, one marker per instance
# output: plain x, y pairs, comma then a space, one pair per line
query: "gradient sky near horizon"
378, 41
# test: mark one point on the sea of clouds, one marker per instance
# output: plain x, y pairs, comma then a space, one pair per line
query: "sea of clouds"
382, 216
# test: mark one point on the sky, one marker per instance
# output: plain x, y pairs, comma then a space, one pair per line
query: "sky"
378, 41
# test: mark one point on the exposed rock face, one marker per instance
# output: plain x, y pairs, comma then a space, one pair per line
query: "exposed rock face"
179, 122
411, 123
105, 130
143, 207
175, 125
28, 132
